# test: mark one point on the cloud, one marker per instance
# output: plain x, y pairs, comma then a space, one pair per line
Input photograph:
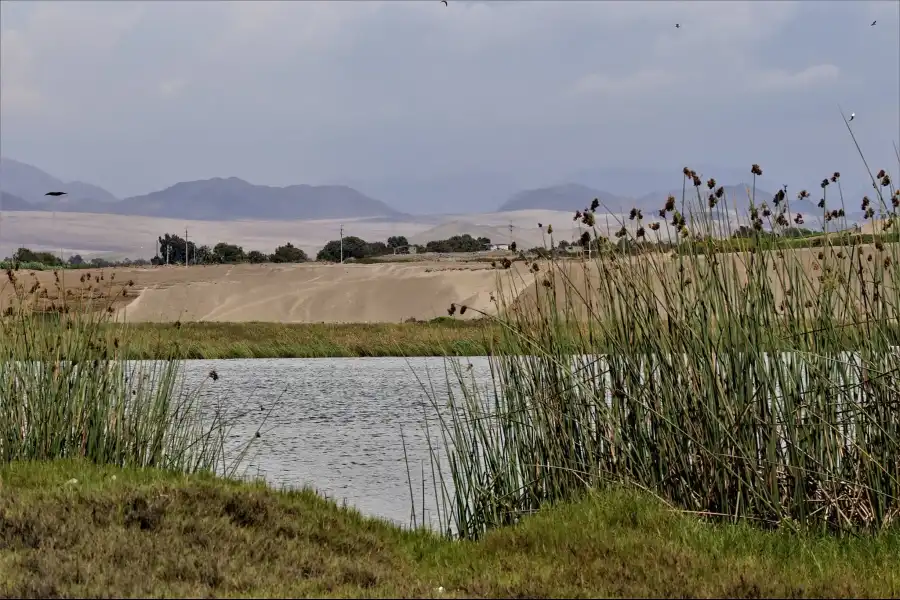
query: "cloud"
287, 92
641, 82
783, 80
171, 87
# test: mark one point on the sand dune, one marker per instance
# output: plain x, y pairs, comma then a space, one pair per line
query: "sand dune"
307, 293
313, 293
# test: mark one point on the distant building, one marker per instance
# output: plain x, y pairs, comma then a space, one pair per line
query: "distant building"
499, 246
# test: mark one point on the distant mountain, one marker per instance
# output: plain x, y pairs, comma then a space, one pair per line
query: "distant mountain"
567, 197
11, 202
229, 199
30, 184
211, 199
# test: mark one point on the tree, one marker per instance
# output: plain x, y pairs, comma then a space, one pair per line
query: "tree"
398, 243
24, 255
459, 243
173, 246
354, 247
76, 260
203, 255
256, 257
228, 253
288, 254
379, 249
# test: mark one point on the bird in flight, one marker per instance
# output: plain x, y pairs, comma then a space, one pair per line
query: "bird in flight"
873, 24
852, 116
677, 25
445, 4
55, 194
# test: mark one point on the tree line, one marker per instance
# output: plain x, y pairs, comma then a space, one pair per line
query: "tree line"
172, 249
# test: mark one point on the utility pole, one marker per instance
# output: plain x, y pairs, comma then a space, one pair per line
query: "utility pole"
342, 243
186, 262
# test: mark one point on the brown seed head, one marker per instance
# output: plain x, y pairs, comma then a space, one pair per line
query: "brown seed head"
755, 169
824, 183
711, 183
880, 174
670, 203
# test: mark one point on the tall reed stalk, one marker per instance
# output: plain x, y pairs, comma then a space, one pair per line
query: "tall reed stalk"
755, 385
66, 390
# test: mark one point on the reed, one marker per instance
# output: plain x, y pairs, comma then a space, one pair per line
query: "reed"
725, 387
67, 390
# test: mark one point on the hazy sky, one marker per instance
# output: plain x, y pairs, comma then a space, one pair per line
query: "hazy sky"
137, 96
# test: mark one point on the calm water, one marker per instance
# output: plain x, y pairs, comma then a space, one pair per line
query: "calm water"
334, 424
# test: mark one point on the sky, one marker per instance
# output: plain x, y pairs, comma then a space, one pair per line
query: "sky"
136, 96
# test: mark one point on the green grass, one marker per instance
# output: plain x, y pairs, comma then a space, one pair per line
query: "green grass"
723, 387
146, 533
67, 391
440, 337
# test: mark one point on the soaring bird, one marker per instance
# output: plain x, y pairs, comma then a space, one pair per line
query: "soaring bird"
677, 25
445, 4
852, 116
873, 24
55, 194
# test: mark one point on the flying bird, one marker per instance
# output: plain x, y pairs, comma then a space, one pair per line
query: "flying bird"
677, 25
873, 24
55, 194
445, 4
852, 116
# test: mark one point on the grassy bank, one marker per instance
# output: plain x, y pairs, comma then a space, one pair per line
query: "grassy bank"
439, 337
725, 385
199, 537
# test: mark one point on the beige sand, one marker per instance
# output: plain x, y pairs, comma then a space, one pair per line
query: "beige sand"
307, 293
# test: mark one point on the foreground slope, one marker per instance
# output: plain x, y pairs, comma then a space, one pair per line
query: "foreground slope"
74, 530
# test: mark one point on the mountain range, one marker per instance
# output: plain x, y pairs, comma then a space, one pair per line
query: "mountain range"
24, 186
